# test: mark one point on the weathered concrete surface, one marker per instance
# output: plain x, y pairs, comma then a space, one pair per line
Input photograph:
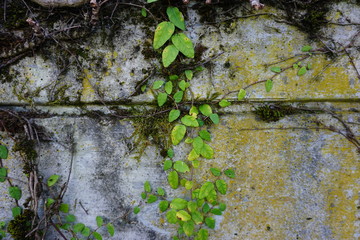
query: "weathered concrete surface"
293, 181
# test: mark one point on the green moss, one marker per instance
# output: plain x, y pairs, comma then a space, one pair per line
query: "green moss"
27, 151
272, 113
21, 226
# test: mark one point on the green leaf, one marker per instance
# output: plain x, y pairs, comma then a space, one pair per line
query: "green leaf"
64, 208
85, 232
295, 66
206, 208
99, 221
207, 151
212, 197
181, 167
189, 140
205, 109
49, 201
3, 152
176, 17
97, 235
3, 174
52, 180
136, 210
182, 85
173, 179
189, 228
78, 227
178, 203
224, 103
151, 199
202, 234
161, 99
167, 164
151, 1
200, 202
302, 71
15, 192
183, 44
143, 195
230, 173
183, 182
178, 96
163, 32
168, 87
189, 74
205, 135
2, 225
216, 211
189, 121
163, 206
173, 77
197, 217
16, 211
70, 218
241, 94
215, 171
171, 216
196, 163
170, 153
169, 55
157, 84
221, 186
198, 144
268, 85
205, 189
276, 69
189, 185
222, 206
147, 186
215, 118
306, 48
191, 206
143, 88
193, 155
110, 229
308, 66
210, 222
183, 215
177, 134
193, 111
143, 12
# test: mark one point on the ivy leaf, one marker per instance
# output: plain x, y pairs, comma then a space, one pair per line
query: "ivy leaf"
157, 84
198, 144
306, 48
178, 96
64, 208
276, 69
163, 206
189, 185
168, 87
189, 74
52, 180
183, 215
193, 111
224, 103
180, 166
173, 77
191, 206
182, 85
178, 203
295, 66
136, 210
99, 221
207, 151
268, 85
170, 153
97, 236
193, 155
49, 201
205, 109
167, 164
110, 228
230, 173
221, 186
183, 44
302, 71
195, 163
202, 234
151, 1
189, 228
143, 12
173, 179
15, 192
215, 171
222, 206
241, 94
151, 199
78, 227
197, 217
169, 55
171, 216
205, 135
206, 208
161, 99
3, 174
212, 197
173, 115
70, 218
143, 195
176, 17
205, 189
215, 118
163, 32
16, 211
210, 222
147, 186
160, 191
86, 232
216, 211
3, 152
177, 134
189, 121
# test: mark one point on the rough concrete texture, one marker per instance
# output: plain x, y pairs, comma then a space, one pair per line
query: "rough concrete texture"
293, 180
